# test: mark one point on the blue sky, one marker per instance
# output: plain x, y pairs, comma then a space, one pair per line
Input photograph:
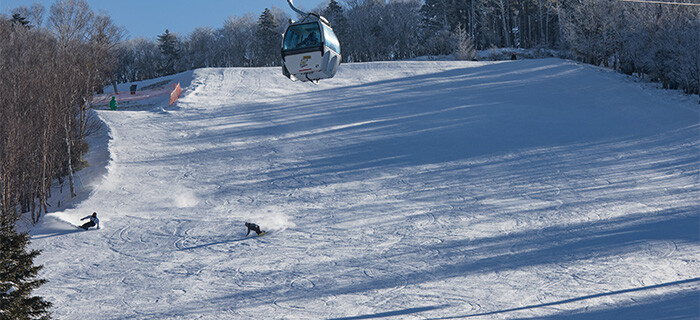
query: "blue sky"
148, 18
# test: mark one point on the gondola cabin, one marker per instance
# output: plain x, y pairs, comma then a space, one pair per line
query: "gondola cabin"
310, 51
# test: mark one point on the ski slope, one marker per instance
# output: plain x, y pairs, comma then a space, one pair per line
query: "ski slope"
537, 189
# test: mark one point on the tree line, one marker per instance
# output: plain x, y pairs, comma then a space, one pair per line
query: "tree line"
657, 41
51, 72
49, 75
52, 62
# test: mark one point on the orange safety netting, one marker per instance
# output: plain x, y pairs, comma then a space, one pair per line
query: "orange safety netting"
175, 94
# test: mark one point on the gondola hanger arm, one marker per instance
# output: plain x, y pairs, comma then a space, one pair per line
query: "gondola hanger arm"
291, 4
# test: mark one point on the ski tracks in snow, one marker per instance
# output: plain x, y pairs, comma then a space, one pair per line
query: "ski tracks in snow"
406, 189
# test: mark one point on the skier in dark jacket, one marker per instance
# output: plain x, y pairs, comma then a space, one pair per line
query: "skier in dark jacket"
254, 227
93, 221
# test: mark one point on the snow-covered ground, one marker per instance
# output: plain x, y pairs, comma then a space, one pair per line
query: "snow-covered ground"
536, 189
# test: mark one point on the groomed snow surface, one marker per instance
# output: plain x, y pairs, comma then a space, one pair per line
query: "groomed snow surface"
538, 189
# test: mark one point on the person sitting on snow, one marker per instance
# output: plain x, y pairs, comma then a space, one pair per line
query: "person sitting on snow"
93, 221
254, 227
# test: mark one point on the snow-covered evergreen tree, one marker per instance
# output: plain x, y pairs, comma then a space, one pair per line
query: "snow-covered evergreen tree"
463, 45
169, 48
268, 40
18, 19
335, 14
32, 15
18, 278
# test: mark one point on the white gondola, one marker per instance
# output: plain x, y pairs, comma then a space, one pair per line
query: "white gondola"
310, 50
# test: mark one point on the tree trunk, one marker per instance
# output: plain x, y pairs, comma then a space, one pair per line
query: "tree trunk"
35, 215
114, 85
546, 30
45, 160
472, 23
504, 15
539, 22
70, 155
83, 119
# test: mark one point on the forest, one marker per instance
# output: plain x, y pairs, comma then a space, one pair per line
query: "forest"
659, 42
48, 78
53, 61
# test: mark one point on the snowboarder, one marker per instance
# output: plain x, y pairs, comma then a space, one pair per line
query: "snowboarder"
254, 227
113, 104
93, 221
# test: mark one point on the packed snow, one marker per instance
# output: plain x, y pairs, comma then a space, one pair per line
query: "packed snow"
535, 189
